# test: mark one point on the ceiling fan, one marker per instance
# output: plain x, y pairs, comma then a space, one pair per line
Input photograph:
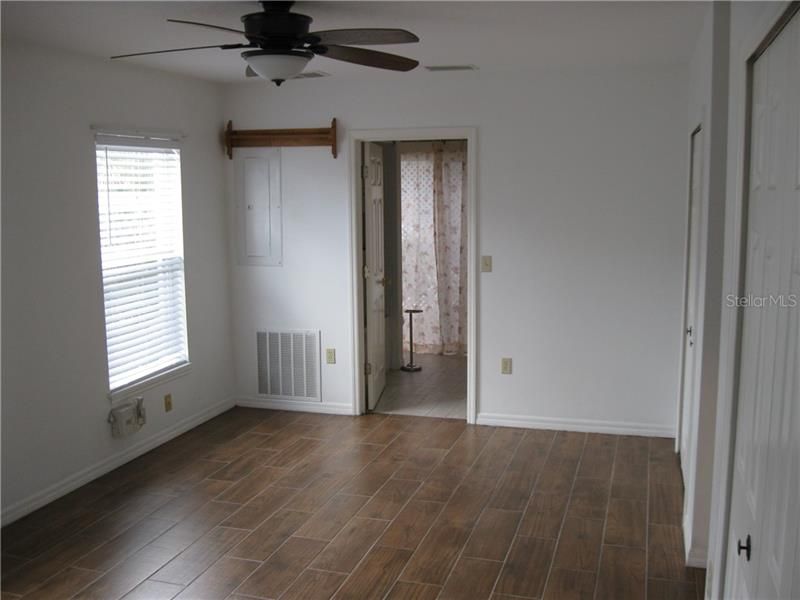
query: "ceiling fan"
279, 44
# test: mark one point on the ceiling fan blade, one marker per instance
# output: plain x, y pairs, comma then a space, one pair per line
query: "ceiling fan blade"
206, 25
248, 72
221, 47
368, 58
364, 37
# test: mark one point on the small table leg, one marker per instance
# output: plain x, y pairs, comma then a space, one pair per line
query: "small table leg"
411, 367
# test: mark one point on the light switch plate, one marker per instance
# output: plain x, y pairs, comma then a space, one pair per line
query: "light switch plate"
486, 264
330, 356
505, 366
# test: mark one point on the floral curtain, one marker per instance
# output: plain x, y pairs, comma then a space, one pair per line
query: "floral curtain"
433, 181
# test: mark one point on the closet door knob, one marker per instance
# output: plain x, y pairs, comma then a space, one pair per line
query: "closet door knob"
745, 547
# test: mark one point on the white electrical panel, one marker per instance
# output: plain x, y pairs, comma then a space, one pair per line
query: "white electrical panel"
127, 418
257, 189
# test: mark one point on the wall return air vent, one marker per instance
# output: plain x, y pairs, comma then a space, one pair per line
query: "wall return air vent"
289, 364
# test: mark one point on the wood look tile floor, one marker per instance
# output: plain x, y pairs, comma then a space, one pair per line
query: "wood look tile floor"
438, 390
267, 504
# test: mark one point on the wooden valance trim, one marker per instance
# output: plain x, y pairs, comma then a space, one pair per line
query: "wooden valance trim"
254, 138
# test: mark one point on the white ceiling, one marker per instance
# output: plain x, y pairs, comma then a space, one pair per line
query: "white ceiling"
495, 36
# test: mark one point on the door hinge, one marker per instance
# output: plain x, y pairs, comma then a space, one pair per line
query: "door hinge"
364, 171
366, 272
368, 369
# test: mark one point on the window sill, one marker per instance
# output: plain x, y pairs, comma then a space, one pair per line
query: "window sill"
131, 389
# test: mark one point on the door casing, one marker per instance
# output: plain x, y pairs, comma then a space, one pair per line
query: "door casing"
355, 138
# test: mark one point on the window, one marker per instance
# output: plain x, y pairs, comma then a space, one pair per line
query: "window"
141, 240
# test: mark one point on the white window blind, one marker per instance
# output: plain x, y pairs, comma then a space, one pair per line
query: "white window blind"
141, 237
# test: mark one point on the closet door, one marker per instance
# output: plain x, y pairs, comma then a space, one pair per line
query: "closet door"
766, 479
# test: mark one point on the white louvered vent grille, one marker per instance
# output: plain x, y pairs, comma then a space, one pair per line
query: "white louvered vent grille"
288, 364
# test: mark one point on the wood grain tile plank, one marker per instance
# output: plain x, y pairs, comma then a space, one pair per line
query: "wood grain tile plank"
661, 589
153, 590
121, 579
330, 519
471, 579
626, 523
388, 500
65, 584
404, 590
468, 446
182, 506
589, 499
314, 585
375, 575
350, 544
544, 515
436, 554
411, 525
198, 557
665, 554
579, 544
666, 504
251, 514
525, 570
277, 573
46, 565
193, 527
123, 545
219, 580
249, 461
622, 574
273, 532
493, 533
251, 485
564, 584
370, 479
442, 482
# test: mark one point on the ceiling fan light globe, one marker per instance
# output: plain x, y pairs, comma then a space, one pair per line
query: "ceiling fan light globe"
277, 66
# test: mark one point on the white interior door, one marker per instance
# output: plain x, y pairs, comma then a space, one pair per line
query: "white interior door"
691, 301
374, 274
766, 475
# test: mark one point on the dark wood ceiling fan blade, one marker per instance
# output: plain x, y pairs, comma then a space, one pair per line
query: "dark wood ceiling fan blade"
368, 58
206, 25
220, 47
364, 37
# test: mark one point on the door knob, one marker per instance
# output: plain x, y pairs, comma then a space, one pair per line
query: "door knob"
745, 547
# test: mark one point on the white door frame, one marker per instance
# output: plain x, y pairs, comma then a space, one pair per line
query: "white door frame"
354, 138
688, 249
742, 57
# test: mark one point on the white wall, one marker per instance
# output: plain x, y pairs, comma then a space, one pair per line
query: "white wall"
581, 201
54, 385
708, 90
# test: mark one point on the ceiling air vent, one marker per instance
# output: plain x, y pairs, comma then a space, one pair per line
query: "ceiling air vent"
437, 68
311, 75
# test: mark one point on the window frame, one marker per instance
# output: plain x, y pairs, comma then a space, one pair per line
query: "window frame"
142, 140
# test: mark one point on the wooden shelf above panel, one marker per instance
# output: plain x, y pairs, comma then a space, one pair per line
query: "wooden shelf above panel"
257, 138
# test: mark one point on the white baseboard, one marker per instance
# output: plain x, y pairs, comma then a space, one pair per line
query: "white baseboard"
27, 505
587, 425
328, 408
698, 557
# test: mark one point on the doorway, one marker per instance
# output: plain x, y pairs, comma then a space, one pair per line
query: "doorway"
414, 267
691, 308
763, 536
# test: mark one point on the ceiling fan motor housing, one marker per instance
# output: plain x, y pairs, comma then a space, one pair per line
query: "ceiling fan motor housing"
276, 28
